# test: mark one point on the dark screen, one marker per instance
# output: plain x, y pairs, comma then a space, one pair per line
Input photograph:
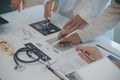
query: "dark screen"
3, 21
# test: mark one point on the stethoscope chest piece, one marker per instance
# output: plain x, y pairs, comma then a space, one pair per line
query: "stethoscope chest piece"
19, 68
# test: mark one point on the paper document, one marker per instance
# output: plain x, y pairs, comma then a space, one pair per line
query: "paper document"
103, 69
52, 40
69, 62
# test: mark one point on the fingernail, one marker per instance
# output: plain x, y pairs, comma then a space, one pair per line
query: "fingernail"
79, 52
62, 45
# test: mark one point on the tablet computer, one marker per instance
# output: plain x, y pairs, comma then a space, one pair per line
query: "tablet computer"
45, 29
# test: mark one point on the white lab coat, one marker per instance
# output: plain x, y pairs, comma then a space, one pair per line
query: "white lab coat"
108, 20
87, 9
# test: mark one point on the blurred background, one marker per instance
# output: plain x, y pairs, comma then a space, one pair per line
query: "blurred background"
31, 3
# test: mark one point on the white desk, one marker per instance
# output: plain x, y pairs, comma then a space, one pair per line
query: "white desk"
14, 33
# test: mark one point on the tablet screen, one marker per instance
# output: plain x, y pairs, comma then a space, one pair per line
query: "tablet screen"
45, 29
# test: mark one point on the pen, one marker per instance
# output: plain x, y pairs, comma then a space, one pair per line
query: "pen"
65, 37
52, 6
48, 21
87, 55
21, 5
58, 73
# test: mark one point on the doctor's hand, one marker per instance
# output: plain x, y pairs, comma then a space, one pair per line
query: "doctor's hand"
91, 51
15, 4
75, 23
50, 6
117, 64
74, 38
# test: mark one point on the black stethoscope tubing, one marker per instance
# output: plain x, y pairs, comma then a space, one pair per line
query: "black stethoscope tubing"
28, 52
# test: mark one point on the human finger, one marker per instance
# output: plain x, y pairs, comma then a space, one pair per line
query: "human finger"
66, 26
65, 39
92, 51
24, 4
62, 44
83, 56
19, 6
75, 27
47, 12
85, 48
61, 35
71, 25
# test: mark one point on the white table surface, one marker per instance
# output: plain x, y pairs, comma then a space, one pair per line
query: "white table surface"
12, 33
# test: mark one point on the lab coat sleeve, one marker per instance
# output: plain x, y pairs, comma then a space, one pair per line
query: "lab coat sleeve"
109, 19
90, 9
45, 1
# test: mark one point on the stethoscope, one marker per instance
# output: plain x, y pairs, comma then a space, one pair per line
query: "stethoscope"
29, 51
